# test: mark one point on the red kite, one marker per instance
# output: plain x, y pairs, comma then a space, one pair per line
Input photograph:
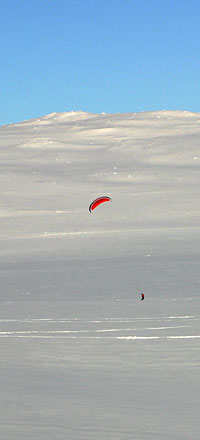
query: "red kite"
98, 201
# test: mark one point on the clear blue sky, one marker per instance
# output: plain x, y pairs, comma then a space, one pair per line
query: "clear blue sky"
98, 56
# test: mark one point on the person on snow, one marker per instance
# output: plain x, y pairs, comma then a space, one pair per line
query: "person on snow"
142, 296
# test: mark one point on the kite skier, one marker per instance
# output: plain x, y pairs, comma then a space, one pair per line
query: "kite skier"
142, 296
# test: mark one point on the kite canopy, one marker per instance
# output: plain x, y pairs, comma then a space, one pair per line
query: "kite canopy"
98, 201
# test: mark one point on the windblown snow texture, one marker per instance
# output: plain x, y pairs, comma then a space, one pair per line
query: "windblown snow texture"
82, 357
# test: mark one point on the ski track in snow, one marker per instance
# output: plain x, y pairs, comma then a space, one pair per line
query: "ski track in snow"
96, 232
81, 330
30, 320
103, 337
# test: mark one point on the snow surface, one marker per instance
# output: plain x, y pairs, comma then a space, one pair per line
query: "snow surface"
82, 358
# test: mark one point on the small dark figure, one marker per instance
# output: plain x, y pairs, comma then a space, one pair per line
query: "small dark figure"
142, 296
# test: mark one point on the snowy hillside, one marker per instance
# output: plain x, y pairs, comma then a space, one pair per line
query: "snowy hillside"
83, 357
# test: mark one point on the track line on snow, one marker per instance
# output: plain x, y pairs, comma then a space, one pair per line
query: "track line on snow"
133, 338
79, 233
97, 321
110, 330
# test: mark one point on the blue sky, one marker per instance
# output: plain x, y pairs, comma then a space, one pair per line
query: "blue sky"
98, 56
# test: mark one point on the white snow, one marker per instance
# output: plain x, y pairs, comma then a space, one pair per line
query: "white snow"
82, 357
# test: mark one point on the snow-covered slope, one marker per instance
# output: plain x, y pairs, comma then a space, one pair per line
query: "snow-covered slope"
71, 316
